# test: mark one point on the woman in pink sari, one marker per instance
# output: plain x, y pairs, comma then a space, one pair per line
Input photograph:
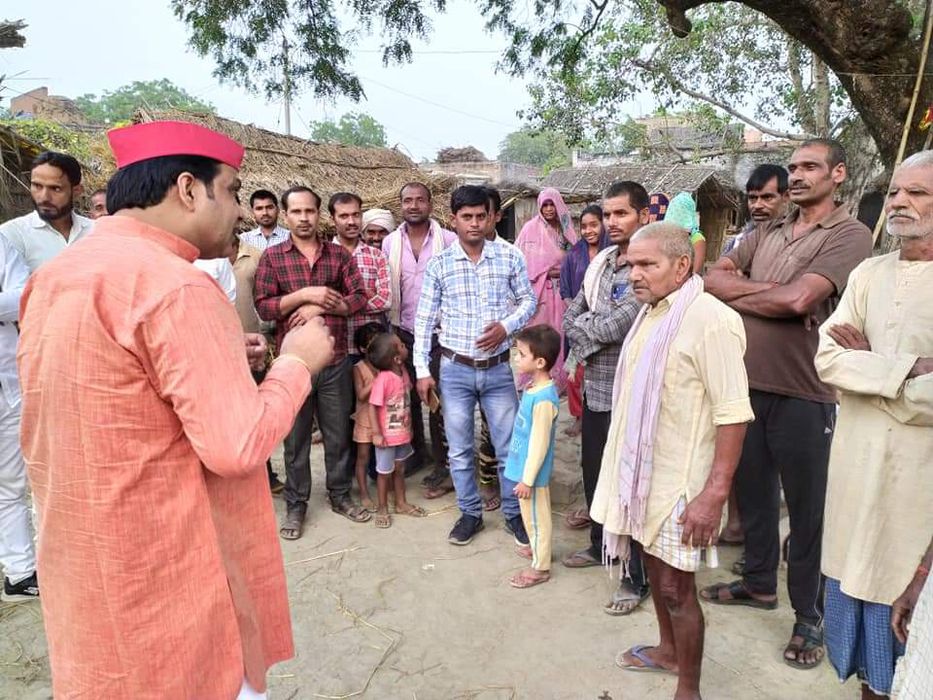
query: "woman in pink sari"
544, 241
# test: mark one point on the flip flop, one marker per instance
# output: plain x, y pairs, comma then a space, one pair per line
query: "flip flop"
382, 520
520, 580
412, 511
739, 593
648, 666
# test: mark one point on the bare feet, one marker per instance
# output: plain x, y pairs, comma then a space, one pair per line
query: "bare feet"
575, 429
406, 508
367, 504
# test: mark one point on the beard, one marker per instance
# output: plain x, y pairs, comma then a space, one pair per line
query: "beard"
915, 229
48, 212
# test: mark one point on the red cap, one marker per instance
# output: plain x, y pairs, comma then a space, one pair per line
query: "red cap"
132, 144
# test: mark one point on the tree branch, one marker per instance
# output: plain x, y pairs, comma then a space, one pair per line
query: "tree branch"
680, 87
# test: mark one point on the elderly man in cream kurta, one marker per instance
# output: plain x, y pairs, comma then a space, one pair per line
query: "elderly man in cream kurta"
877, 349
680, 406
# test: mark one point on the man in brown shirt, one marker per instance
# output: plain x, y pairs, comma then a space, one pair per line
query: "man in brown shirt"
785, 278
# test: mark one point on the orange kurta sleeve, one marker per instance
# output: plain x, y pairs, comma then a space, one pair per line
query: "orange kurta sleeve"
197, 362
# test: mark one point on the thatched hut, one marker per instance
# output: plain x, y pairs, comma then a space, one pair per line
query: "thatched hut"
16, 154
276, 162
719, 202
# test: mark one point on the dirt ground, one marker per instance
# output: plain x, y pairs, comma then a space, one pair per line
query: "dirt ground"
400, 613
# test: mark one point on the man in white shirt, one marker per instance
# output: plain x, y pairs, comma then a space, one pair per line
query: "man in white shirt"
54, 182
222, 272
17, 552
265, 208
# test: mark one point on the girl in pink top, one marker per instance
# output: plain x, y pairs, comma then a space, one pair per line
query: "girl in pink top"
363, 376
390, 422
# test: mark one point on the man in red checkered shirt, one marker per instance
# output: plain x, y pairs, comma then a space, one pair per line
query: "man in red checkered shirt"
346, 209
297, 280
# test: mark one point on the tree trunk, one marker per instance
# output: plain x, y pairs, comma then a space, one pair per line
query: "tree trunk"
821, 96
868, 44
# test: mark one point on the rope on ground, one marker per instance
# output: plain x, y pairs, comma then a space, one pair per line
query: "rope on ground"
324, 556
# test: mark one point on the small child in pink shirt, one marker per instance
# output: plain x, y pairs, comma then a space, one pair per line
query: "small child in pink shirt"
390, 421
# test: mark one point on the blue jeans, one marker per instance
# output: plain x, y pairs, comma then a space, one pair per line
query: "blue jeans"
495, 390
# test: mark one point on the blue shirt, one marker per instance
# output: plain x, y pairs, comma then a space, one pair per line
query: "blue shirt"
516, 464
468, 296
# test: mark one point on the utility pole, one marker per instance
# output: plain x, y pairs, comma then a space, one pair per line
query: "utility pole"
287, 102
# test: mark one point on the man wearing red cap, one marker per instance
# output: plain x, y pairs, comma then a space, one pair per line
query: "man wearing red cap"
161, 571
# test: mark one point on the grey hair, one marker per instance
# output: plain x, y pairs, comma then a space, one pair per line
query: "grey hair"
918, 159
673, 240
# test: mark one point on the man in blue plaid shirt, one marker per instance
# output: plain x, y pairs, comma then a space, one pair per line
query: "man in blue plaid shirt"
479, 290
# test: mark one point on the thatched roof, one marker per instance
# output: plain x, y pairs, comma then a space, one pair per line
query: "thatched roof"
16, 154
671, 179
276, 162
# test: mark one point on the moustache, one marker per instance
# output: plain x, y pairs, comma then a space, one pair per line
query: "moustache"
902, 213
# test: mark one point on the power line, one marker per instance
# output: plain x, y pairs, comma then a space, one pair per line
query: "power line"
441, 52
439, 105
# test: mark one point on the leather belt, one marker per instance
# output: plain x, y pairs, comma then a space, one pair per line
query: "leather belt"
481, 363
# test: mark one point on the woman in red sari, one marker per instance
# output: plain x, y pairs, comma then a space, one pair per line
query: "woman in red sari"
544, 241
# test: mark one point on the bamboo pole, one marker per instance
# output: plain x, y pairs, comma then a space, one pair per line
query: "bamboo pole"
908, 123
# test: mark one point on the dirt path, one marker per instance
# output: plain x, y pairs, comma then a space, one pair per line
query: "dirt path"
400, 613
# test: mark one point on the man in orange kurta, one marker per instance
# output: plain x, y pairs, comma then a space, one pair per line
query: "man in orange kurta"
146, 439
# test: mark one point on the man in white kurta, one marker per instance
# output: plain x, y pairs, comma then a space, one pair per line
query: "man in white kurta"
876, 349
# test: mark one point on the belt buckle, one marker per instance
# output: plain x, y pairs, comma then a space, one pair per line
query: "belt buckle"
481, 363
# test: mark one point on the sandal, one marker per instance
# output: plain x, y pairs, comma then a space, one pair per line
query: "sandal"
738, 568
578, 519
812, 637
647, 665
740, 595
293, 525
630, 602
525, 580
382, 520
350, 510
492, 503
412, 510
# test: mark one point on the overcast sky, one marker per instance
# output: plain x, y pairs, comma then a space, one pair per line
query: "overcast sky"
99, 45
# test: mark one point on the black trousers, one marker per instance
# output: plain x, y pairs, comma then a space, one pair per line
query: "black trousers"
787, 444
435, 420
330, 403
595, 433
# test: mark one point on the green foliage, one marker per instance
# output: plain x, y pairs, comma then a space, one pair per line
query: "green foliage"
353, 129
734, 55
54, 137
119, 105
256, 44
545, 149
